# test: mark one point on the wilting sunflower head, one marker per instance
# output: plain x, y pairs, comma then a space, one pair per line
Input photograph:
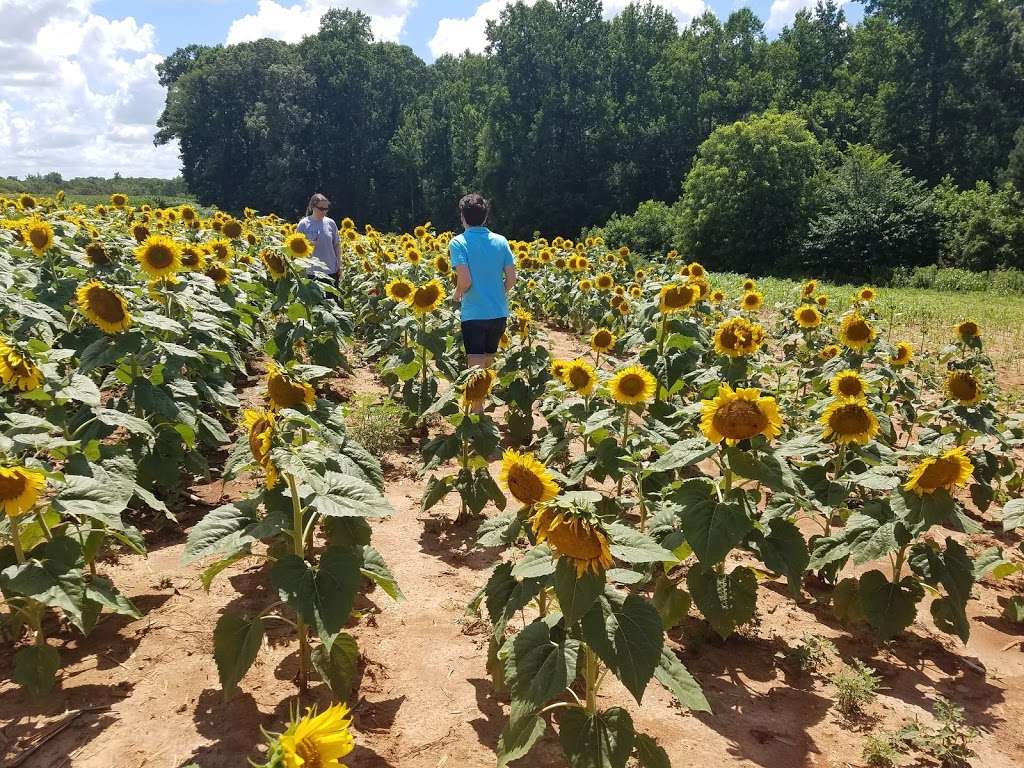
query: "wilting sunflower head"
849, 421
478, 387
104, 306
829, 351
17, 370
260, 425
752, 301
866, 294
738, 337
953, 468
39, 234
96, 254
605, 282
602, 340
749, 285
231, 229
220, 274
739, 415
856, 332
848, 384
527, 479
158, 256
399, 290
315, 741
427, 297
298, 245
576, 535
632, 385
964, 387
287, 391
807, 316
580, 377
968, 330
675, 297
19, 489
274, 262
903, 353
809, 288
822, 301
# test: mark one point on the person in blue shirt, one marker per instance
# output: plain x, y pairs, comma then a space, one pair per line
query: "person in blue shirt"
322, 232
485, 272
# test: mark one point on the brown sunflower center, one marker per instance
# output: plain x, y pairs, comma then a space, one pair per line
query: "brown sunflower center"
232, 229
107, 304
579, 377
963, 386
12, 485
221, 250
190, 257
939, 474
750, 301
740, 419
401, 290
217, 273
850, 419
426, 295
968, 329
677, 296
97, 254
858, 330
525, 485
39, 237
275, 263
602, 339
159, 256
850, 386
808, 315
632, 385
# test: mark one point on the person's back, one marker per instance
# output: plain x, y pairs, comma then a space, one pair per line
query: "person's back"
486, 254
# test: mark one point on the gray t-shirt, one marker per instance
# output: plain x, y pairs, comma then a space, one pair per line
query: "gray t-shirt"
323, 235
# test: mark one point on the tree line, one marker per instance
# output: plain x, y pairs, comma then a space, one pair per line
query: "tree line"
569, 118
49, 183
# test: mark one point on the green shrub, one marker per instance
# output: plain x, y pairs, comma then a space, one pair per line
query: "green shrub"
980, 228
949, 743
855, 686
380, 427
1003, 281
651, 230
880, 751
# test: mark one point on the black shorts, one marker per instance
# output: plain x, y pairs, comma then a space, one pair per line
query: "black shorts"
481, 337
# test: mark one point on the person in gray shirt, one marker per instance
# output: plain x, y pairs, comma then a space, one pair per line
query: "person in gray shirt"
322, 232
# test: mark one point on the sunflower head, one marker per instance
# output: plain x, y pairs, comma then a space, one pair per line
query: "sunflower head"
298, 246
829, 351
964, 387
809, 288
739, 415
903, 353
221, 249
632, 385
260, 425
717, 297
749, 285
274, 262
104, 306
738, 337
442, 265
558, 369
17, 370
602, 340
586, 286
520, 322
580, 377
218, 273
866, 294
807, 316
968, 330
287, 391
848, 384
119, 200
953, 468
316, 741
427, 297
849, 421
675, 297
399, 290
39, 234
96, 254
232, 229
140, 232
478, 387
696, 270
604, 282
26, 202
527, 479
573, 534
822, 301
158, 256
752, 301
193, 258
19, 489
856, 332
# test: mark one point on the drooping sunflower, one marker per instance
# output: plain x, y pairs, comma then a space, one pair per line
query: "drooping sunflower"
104, 306
298, 245
318, 741
829, 351
737, 337
903, 354
478, 387
964, 387
17, 370
573, 535
39, 234
260, 425
26, 202
849, 421
232, 229
752, 301
968, 330
602, 340
287, 391
158, 256
96, 254
399, 290
520, 322
220, 274
427, 297
953, 468
866, 294
739, 415
675, 297
807, 316
274, 262
19, 489
856, 332
848, 384
632, 385
580, 376
193, 258
188, 213
527, 479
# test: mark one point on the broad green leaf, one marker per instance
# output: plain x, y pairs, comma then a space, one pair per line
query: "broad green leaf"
598, 740
236, 642
224, 530
523, 730
506, 594
1013, 514
784, 551
626, 633
347, 496
678, 681
846, 602
376, 569
537, 668
649, 754
672, 603
537, 562
632, 546
1013, 609
53, 576
35, 668
992, 563
337, 662
683, 454
726, 600
214, 569
889, 608
576, 594
324, 595
713, 528
953, 569
133, 424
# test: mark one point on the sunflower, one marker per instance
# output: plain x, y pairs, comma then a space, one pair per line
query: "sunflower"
286, 391
412, 255
822, 301
963, 387
702, 285
399, 290
739, 415
347, 223
696, 270
848, 383
809, 288
427, 297
675, 297
640, 276
158, 256
635, 291
952, 468
19, 489
103, 306
856, 332
807, 316
604, 282
866, 294
579, 375
26, 202
17, 370
737, 337
222, 249
573, 535
260, 426
558, 369
752, 301
274, 262
849, 421
526, 478
520, 322
968, 330
749, 285
188, 213
904, 354
477, 388
220, 274
829, 351
39, 234
232, 229
140, 232
623, 251
717, 297
632, 385
443, 266
193, 258
96, 254
298, 245
119, 200
318, 741
602, 340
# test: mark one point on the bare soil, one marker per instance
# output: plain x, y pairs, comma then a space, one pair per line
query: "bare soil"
145, 693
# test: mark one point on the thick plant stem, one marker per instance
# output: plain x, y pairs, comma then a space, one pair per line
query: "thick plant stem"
423, 364
661, 353
464, 463
897, 567
590, 675
299, 541
19, 554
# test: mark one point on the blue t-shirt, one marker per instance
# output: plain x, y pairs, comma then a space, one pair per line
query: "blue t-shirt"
486, 254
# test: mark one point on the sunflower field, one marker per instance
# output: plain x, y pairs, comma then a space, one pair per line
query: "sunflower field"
700, 446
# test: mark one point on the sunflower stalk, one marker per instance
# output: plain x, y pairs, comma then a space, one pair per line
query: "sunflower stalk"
299, 540
591, 676
19, 554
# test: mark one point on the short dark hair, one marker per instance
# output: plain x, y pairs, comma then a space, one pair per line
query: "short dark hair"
474, 209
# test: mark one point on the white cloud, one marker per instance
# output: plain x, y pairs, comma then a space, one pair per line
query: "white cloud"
78, 92
291, 23
782, 12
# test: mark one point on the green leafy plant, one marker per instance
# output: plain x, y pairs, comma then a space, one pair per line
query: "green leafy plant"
949, 741
856, 687
379, 426
881, 750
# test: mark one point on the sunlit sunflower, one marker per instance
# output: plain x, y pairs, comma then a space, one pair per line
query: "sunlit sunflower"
809, 288
953, 468
737, 337
347, 223
158, 256
558, 369
717, 297
856, 332
19, 489
675, 297
188, 213
318, 741
752, 301
520, 322
527, 479
829, 351
580, 376
17, 370
640, 276
602, 340
848, 384
903, 354
849, 421
287, 391
866, 294
632, 385
96, 254
739, 415
220, 274
298, 245
963, 387
443, 266
222, 249
39, 234
749, 285
104, 306
574, 535
696, 270
192, 258
260, 426
413, 256
822, 301
232, 229
427, 297
399, 290
477, 388
807, 316
274, 262
604, 282
119, 200
585, 286
968, 330
623, 251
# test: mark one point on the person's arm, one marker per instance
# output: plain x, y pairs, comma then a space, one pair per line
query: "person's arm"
464, 281
510, 278
337, 251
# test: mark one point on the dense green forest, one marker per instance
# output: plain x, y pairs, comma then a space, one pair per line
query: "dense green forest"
882, 138
48, 183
